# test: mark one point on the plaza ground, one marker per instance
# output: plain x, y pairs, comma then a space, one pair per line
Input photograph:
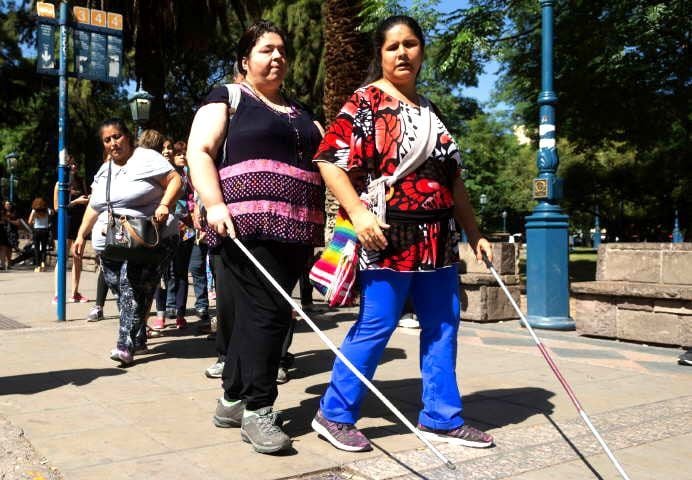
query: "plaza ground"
86, 418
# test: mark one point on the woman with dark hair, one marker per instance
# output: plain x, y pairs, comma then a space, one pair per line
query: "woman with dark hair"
255, 176
389, 144
142, 184
9, 235
39, 219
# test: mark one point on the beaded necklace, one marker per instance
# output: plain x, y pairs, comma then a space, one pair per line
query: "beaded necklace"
287, 111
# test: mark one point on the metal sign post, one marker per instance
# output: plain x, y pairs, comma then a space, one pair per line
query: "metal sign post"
98, 56
63, 184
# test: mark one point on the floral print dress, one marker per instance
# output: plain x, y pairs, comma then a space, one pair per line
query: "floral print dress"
371, 134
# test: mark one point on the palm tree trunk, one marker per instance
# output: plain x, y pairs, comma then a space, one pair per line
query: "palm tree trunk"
346, 58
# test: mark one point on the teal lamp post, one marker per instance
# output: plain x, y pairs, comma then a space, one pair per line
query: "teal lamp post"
547, 283
677, 234
596, 238
140, 106
11, 164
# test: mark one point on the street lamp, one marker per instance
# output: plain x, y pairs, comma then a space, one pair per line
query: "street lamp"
140, 105
504, 220
547, 282
11, 162
484, 202
596, 239
677, 234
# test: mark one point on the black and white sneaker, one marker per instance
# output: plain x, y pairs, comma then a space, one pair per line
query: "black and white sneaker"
685, 358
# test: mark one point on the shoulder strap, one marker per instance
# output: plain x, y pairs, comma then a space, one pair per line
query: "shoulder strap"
423, 145
109, 207
234, 94
233, 97
422, 148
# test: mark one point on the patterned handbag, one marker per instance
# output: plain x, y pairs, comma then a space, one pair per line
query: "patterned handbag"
334, 273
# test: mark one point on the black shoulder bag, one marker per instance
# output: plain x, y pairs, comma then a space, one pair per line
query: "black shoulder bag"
130, 238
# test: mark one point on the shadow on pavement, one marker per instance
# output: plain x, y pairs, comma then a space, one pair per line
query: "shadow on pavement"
176, 347
574, 448
39, 382
486, 409
313, 362
325, 321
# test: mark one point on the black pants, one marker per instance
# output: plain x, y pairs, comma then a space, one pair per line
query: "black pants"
41, 236
101, 287
225, 314
176, 272
261, 316
225, 311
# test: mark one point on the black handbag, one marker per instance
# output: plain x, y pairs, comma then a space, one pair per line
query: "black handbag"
130, 238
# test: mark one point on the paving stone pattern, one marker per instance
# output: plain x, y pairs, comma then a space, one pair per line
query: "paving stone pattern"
91, 419
522, 450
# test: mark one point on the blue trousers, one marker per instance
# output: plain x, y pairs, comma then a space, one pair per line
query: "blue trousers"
198, 270
176, 274
435, 297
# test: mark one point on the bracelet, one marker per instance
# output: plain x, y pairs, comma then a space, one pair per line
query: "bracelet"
164, 205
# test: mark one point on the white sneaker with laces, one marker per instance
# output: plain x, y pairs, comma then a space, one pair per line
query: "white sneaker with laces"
215, 370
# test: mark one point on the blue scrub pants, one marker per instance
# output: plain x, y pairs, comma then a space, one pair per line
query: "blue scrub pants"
435, 297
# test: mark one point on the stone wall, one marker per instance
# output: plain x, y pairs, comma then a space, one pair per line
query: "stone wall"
482, 299
642, 292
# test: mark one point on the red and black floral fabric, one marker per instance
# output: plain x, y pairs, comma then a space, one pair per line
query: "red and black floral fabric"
369, 137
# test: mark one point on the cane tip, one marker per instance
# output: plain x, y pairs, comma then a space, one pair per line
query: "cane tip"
450, 465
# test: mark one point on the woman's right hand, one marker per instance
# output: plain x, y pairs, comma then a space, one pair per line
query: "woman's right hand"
219, 219
78, 246
369, 229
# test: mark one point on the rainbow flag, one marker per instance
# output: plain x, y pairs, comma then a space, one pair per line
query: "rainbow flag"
334, 273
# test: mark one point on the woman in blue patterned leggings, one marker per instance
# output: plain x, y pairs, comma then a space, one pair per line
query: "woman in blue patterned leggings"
142, 184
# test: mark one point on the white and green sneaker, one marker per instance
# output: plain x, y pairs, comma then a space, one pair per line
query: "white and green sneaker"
260, 428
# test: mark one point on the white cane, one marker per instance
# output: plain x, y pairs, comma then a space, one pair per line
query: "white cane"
563, 381
345, 360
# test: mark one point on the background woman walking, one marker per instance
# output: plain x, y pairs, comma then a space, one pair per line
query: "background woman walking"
39, 219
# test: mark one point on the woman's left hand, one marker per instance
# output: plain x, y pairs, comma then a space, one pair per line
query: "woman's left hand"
483, 245
161, 213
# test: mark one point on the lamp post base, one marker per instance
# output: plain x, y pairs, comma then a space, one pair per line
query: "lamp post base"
551, 323
547, 260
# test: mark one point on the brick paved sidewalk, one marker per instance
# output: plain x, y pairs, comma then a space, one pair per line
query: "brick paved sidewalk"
91, 419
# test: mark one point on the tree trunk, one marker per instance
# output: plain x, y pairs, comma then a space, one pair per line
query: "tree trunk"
346, 59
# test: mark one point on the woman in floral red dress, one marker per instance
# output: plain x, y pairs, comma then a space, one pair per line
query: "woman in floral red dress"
410, 247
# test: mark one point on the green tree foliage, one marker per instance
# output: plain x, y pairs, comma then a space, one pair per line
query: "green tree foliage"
623, 77
302, 20
178, 50
499, 166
